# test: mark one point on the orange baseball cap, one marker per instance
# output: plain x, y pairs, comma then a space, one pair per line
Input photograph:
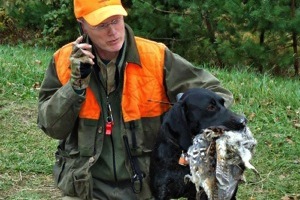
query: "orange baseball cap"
96, 11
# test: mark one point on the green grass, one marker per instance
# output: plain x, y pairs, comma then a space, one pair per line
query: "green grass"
26, 154
271, 104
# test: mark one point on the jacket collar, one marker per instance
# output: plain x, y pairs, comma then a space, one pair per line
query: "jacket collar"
131, 52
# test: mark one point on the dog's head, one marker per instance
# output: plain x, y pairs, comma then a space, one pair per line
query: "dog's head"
198, 109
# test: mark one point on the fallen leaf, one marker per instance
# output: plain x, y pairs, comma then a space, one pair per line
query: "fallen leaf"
297, 125
38, 62
251, 116
36, 86
297, 161
291, 197
289, 140
281, 177
277, 135
268, 143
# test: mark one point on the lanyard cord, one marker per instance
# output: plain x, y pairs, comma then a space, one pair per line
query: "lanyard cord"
137, 178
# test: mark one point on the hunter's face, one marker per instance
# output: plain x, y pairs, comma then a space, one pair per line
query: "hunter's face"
108, 36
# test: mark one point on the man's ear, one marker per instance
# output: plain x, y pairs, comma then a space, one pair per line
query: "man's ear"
80, 26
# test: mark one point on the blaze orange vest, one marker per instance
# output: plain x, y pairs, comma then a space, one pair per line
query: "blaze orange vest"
141, 83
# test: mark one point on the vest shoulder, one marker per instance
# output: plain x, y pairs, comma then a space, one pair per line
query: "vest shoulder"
66, 49
143, 41
62, 62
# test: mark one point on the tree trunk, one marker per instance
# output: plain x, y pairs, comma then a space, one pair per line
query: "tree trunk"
212, 37
296, 54
261, 43
294, 36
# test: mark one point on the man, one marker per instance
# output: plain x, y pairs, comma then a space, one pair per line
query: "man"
103, 96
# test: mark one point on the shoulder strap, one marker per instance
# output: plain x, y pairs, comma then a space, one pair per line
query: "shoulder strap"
138, 175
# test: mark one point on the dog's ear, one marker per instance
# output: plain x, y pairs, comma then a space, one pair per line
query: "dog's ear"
175, 124
185, 137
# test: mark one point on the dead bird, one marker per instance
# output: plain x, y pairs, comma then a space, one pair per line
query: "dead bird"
217, 159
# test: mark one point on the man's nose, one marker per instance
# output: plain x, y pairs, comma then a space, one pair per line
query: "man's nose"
111, 29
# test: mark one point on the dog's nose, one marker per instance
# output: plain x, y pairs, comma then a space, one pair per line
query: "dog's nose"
239, 122
244, 121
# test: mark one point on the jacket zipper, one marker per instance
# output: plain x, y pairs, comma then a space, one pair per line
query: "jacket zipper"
114, 158
108, 114
109, 125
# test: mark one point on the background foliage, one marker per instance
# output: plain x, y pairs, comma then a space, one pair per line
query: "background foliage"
221, 33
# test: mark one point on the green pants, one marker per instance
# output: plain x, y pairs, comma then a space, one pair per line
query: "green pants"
113, 191
104, 190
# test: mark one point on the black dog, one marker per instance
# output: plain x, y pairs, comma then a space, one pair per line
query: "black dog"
197, 109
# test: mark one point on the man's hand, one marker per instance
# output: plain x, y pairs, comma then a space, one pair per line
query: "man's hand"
81, 64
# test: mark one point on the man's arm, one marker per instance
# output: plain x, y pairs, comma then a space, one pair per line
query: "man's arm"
181, 75
58, 105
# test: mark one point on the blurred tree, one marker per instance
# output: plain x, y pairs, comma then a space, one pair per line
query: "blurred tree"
60, 25
276, 24
262, 34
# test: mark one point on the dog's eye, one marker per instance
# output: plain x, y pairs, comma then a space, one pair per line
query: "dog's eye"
212, 106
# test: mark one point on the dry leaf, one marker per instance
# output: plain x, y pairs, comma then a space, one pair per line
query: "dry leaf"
38, 62
277, 135
297, 161
291, 197
297, 125
36, 86
268, 143
289, 140
251, 116
281, 177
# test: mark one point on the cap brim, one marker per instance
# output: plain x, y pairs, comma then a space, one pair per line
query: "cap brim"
98, 16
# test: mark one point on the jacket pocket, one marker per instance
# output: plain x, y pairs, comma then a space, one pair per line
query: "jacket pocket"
83, 185
63, 175
72, 176
58, 168
87, 136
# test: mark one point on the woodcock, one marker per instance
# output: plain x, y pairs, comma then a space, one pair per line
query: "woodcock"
217, 159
